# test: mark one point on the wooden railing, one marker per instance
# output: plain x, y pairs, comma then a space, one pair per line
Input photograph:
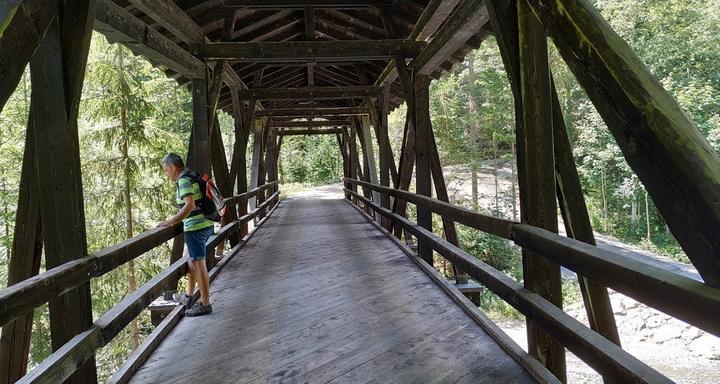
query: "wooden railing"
679, 296
25, 296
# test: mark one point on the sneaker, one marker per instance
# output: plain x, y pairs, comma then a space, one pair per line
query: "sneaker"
198, 310
183, 299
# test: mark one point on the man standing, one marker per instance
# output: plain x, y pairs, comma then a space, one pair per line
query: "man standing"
197, 230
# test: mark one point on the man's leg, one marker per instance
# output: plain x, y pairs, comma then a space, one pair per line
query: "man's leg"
191, 278
203, 280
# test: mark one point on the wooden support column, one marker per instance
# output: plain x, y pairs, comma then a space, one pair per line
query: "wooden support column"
369, 153
244, 117
213, 94
57, 71
343, 154
423, 145
198, 158
374, 112
407, 151
354, 163
362, 171
540, 208
222, 177
385, 155
343, 139
24, 263
270, 170
661, 144
257, 177
570, 196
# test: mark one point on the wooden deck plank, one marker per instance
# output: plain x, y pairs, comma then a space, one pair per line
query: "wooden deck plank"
319, 295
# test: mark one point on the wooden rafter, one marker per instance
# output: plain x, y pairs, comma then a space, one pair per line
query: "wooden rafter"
466, 21
297, 132
308, 50
309, 93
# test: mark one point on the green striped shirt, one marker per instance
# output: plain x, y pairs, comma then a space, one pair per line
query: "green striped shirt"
195, 220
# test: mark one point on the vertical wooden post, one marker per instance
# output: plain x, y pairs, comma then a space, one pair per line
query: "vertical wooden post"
407, 151
385, 155
257, 132
222, 177
369, 156
244, 117
342, 142
57, 72
24, 263
423, 137
349, 164
540, 275
270, 148
198, 158
353, 159
261, 169
570, 197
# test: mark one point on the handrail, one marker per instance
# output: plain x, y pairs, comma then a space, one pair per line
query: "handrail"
62, 363
607, 358
246, 195
679, 296
28, 294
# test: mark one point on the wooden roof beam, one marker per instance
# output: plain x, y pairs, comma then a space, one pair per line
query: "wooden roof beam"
300, 4
312, 112
292, 132
307, 124
308, 50
172, 18
467, 20
120, 26
430, 20
318, 93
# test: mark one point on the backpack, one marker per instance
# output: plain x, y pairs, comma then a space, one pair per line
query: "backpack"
212, 203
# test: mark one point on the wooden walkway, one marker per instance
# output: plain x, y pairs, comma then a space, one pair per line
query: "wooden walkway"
319, 295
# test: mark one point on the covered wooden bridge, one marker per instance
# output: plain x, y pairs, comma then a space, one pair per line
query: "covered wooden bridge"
327, 289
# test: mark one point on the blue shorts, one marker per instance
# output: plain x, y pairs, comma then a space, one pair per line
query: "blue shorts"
195, 242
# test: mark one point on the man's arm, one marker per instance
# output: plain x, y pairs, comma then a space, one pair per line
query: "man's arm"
182, 213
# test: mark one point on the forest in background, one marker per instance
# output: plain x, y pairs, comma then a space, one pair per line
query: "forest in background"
132, 114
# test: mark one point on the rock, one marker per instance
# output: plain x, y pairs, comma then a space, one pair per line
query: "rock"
666, 332
706, 345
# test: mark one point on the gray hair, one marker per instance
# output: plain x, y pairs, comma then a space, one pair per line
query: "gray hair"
173, 158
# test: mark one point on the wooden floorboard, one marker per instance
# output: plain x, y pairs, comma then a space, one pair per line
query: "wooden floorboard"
319, 295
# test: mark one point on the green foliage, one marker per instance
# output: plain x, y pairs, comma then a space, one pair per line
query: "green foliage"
310, 159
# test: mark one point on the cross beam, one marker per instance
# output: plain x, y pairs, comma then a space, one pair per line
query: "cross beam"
291, 51
307, 124
317, 93
296, 132
312, 112
120, 26
297, 4
466, 21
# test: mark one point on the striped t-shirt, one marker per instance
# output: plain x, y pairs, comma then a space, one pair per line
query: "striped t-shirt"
195, 220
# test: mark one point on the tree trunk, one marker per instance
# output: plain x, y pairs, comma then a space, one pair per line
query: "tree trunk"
647, 215
633, 211
134, 337
514, 180
604, 197
495, 174
473, 131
